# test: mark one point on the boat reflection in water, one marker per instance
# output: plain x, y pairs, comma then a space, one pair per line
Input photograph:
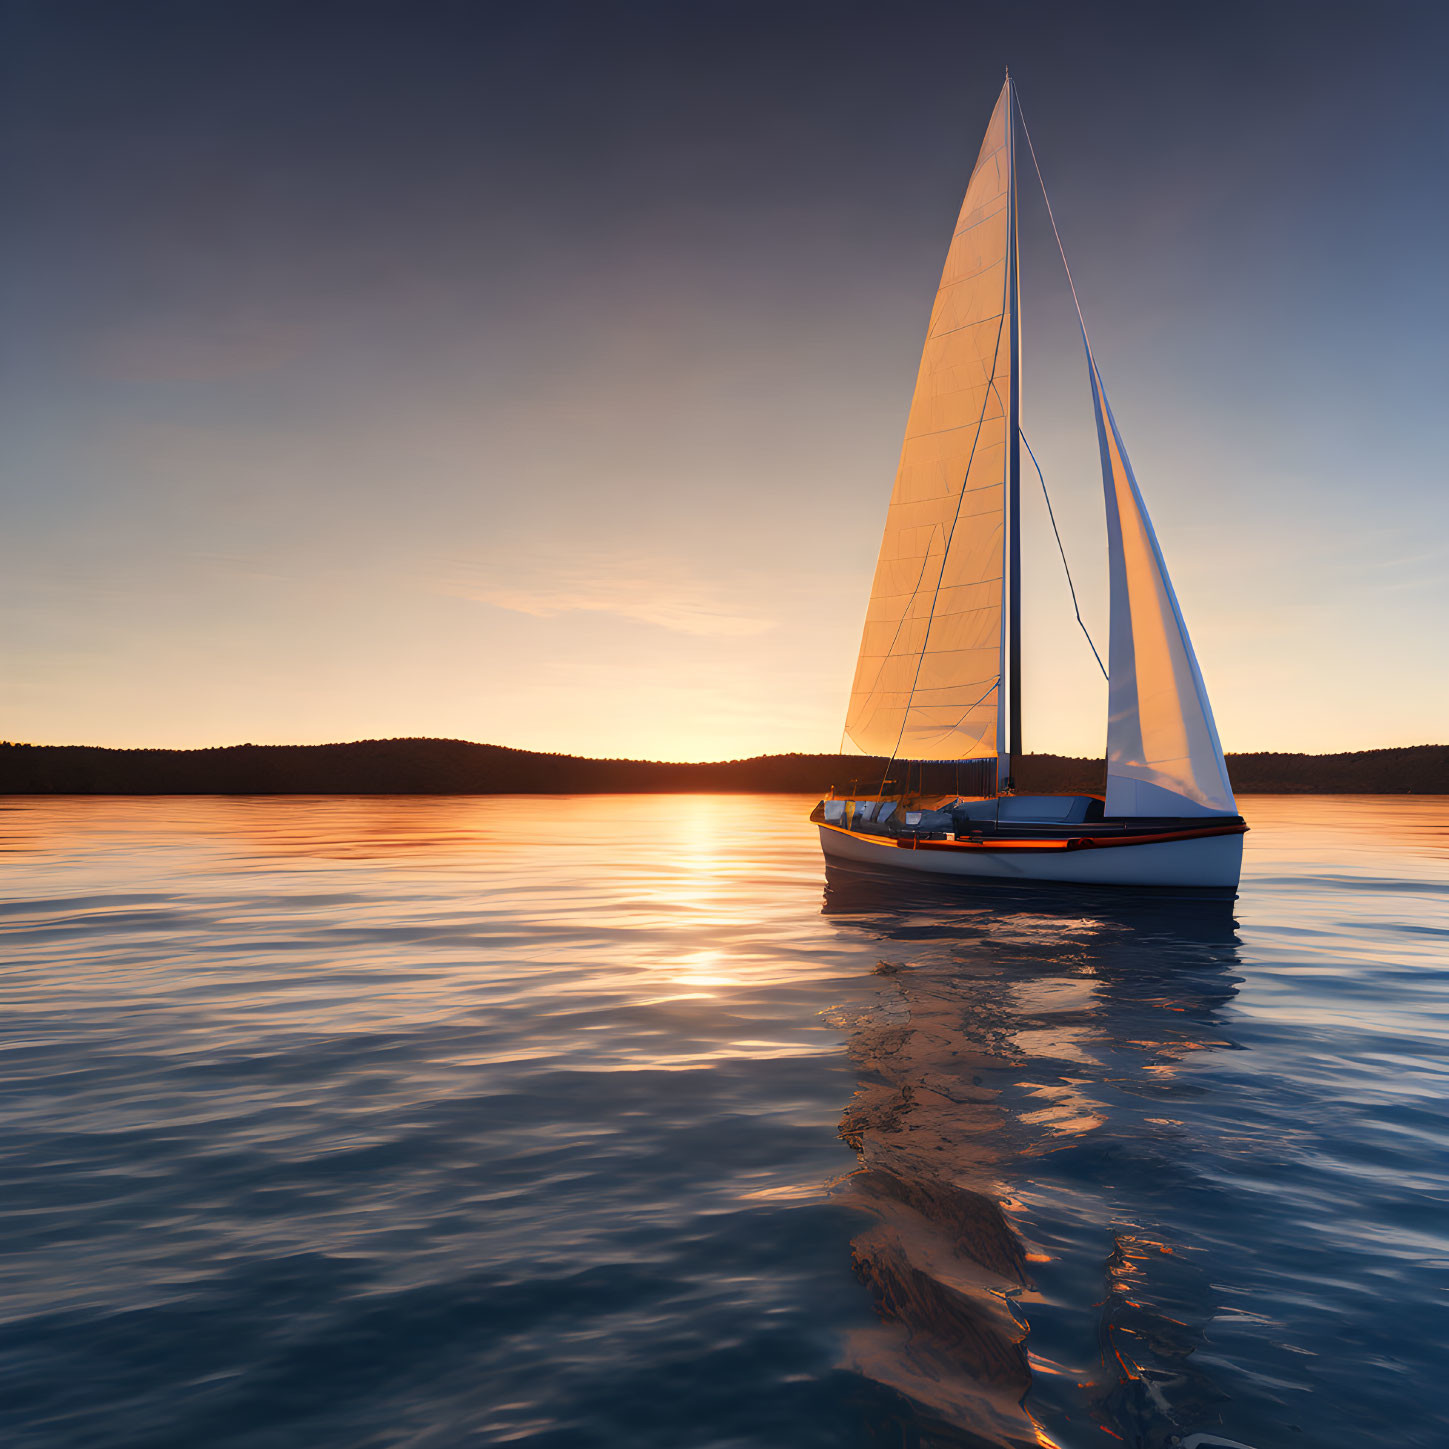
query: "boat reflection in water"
1025, 1159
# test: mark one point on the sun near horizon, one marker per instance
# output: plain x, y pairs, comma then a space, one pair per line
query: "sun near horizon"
450, 397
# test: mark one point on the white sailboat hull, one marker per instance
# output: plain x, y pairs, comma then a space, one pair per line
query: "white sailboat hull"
1206, 862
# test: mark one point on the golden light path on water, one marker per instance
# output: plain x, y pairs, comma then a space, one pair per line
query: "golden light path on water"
849, 1162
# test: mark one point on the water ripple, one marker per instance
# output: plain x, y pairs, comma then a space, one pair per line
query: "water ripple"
595, 1122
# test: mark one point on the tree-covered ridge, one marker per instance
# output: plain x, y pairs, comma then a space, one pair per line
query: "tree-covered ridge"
456, 767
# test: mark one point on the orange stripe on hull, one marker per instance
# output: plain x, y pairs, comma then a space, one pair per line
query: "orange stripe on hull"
1080, 842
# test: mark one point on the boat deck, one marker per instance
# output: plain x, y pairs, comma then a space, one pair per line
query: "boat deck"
962, 834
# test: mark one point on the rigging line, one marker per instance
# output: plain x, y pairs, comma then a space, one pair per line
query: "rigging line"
946, 552
925, 559
1051, 216
995, 684
960, 499
1076, 302
1076, 608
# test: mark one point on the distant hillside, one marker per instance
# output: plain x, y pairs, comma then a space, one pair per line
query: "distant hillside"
455, 767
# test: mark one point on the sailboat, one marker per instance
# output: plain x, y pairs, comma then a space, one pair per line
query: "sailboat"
937, 688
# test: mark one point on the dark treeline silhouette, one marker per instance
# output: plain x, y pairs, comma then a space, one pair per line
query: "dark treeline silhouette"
455, 767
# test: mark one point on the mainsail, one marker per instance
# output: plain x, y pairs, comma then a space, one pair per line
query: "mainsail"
1163, 755
928, 682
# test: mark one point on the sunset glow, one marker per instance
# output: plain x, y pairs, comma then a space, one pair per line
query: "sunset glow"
450, 397
723, 723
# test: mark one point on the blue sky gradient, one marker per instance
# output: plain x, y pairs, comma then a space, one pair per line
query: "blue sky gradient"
536, 374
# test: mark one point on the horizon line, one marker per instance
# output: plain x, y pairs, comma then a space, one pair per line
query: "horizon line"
635, 760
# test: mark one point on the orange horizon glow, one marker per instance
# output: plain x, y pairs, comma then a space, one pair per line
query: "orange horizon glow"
574, 425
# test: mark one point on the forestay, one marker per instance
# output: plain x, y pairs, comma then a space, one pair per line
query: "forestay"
1163, 755
928, 679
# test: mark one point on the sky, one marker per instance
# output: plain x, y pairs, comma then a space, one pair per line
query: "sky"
536, 373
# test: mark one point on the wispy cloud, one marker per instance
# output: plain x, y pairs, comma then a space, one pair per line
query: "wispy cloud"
661, 595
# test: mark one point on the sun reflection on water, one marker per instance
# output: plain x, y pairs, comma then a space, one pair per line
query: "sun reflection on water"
413, 1065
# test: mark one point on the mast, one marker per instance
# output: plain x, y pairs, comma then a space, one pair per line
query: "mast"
1013, 481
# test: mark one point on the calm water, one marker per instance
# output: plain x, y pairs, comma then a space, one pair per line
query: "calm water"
608, 1122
